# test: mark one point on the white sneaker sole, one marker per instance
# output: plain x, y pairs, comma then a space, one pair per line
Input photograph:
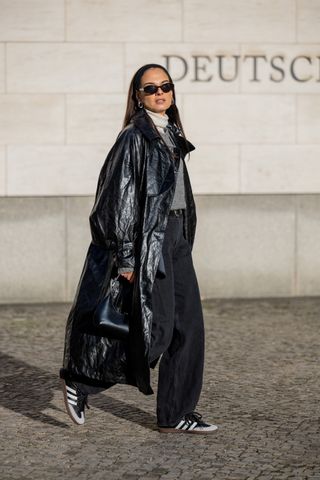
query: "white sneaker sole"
194, 431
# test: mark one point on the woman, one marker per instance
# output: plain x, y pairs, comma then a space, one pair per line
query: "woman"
143, 225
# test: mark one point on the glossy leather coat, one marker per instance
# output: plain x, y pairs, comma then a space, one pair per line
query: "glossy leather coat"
128, 221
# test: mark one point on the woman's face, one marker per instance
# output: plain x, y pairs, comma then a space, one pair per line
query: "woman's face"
158, 102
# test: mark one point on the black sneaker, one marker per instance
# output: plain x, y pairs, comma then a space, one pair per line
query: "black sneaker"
190, 423
75, 401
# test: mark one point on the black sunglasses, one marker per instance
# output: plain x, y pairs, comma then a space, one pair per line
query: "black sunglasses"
151, 89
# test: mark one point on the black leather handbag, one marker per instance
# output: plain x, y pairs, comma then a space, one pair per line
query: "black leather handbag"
110, 315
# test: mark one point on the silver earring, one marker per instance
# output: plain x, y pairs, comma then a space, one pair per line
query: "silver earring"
140, 104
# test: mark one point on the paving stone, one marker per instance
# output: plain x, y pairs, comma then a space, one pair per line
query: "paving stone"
261, 386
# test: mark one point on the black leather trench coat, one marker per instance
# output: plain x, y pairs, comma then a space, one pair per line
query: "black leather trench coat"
128, 221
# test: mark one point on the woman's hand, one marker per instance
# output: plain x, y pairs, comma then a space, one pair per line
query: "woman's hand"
128, 275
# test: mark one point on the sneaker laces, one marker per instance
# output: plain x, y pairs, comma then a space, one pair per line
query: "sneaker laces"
194, 417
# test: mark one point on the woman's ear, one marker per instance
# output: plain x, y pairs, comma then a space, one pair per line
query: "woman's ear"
140, 102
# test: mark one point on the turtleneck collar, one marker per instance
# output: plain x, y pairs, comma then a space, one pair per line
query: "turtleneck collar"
160, 121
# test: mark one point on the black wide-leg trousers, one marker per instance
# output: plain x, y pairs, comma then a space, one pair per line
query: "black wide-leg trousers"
177, 330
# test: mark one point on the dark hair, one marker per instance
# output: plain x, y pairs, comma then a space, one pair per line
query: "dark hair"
132, 101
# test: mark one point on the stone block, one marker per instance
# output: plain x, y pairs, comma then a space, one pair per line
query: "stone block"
94, 118
31, 20
193, 67
308, 19
54, 170
280, 169
2, 171
65, 67
78, 239
240, 118
2, 67
308, 239
214, 169
246, 21
308, 118
245, 245
32, 250
31, 119
124, 21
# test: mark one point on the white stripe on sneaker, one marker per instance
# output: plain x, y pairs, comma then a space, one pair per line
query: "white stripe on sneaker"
72, 402
180, 424
193, 426
72, 390
74, 397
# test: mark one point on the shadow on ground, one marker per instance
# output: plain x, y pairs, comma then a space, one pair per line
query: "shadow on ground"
28, 390
123, 410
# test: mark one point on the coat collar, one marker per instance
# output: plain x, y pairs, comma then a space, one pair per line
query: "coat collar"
143, 122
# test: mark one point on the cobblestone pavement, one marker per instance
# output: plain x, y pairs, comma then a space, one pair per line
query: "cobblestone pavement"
261, 387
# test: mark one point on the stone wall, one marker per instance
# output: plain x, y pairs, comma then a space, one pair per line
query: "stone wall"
247, 77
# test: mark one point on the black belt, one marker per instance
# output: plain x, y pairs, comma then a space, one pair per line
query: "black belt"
177, 212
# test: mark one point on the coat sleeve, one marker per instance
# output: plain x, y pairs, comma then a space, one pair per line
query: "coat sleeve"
116, 212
